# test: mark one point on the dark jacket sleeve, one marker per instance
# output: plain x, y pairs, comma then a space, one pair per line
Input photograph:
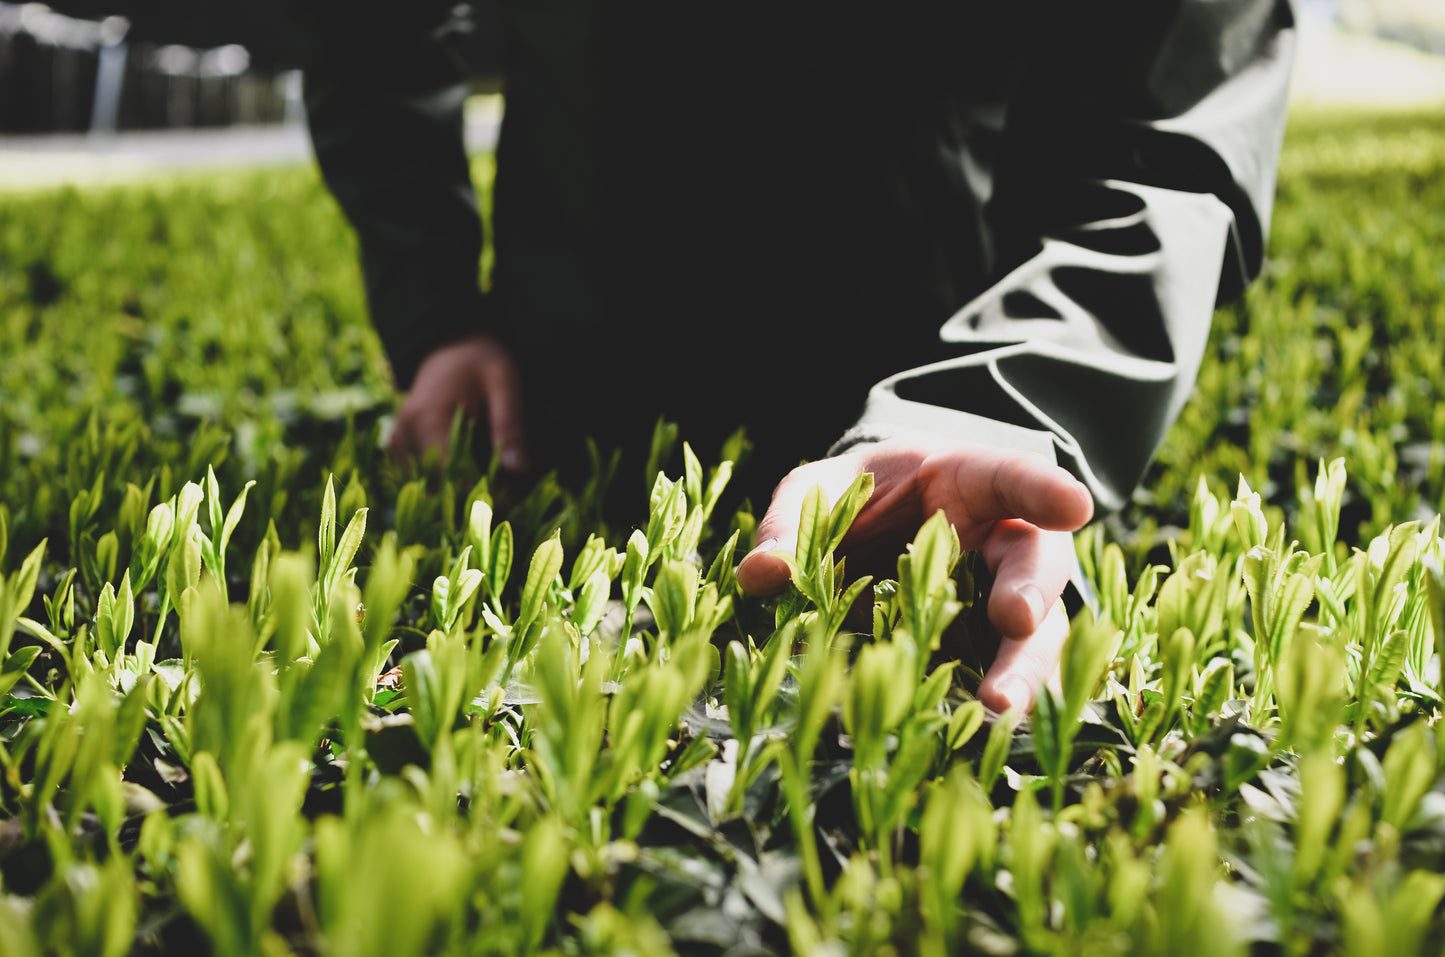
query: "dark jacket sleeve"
1132, 193
384, 97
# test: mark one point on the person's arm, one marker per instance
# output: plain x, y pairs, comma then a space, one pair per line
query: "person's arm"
1133, 192
384, 99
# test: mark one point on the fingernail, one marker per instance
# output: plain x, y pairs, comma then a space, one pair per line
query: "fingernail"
763, 547
1034, 599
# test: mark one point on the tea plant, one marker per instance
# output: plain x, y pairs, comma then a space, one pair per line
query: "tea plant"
263, 691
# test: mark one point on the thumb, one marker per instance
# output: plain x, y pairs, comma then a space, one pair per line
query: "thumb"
763, 572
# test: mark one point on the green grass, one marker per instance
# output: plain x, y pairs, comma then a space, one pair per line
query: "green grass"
349, 710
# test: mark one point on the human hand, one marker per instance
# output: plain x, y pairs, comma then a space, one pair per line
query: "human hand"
477, 375
1016, 508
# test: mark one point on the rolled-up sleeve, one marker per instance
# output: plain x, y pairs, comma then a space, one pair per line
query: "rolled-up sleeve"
1132, 194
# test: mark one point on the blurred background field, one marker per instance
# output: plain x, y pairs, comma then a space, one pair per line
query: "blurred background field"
230, 303
173, 280
1335, 351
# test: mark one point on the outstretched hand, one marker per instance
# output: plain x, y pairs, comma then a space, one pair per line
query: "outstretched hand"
1016, 508
477, 375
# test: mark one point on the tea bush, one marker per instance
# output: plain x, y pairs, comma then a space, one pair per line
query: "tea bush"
264, 691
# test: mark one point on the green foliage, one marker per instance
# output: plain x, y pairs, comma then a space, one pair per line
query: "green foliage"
264, 691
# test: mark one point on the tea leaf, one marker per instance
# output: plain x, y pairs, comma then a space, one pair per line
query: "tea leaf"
812, 532
541, 573
345, 551
326, 529
846, 509
995, 752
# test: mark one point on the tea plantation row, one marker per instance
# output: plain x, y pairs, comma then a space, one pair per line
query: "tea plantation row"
264, 691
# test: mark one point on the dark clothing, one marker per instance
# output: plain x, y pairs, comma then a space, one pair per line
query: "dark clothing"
1016, 218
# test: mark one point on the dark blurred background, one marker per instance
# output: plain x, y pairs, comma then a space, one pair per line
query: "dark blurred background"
102, 65
72, 66
261, 26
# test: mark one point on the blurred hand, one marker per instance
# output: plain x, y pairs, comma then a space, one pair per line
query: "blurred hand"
477, 375
1016, 508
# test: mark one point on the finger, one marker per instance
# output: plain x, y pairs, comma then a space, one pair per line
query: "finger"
761, 571
1030, 568
1024, 665
399, 444
431, 439
406, 434
977, 485
503, 388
